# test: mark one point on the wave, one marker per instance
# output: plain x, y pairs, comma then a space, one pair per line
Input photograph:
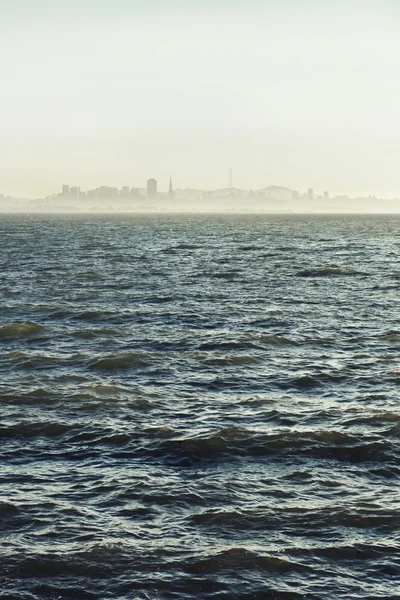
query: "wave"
243, 559
234, 442
220, 359
316, 380
7, 509
94, 315
122, 360
107, 390
95, 333
275, 339
34, 361
223, 445
34, 429
328, 272
187, 247
390, 336
225, 345
20, 330
227, 275
343, 552
265, 517
304, 382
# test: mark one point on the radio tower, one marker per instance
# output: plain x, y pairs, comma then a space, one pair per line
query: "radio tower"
230, 183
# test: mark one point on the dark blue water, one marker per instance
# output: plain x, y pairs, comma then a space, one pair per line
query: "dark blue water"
197, 407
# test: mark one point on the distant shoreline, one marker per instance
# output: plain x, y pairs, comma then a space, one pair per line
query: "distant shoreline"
150, 213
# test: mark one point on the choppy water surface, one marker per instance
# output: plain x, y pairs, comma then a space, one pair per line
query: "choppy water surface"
200, 407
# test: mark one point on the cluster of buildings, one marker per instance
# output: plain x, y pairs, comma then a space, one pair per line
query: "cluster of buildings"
111, 193
310, 195
150, 192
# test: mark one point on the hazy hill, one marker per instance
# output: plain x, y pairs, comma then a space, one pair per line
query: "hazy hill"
278, 192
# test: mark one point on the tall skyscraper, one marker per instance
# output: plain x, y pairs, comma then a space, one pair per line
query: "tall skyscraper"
152, 188
326, 195
171, 193
65, 190
310, 194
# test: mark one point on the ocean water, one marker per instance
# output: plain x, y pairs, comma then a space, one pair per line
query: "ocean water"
197, 407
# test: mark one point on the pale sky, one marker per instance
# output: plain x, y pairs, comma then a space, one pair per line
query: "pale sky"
303, 93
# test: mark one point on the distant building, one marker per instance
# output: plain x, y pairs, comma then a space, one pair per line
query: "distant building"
74, 192
326, 195
295, 195
310, 194
124, 192
151, 188
107, 192
171, 193
134, 192
65, 190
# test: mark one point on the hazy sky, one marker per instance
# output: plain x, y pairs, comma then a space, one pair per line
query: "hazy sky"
290, 92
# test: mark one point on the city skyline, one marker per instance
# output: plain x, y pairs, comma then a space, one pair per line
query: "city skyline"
48, 190
271, 197
150, 189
